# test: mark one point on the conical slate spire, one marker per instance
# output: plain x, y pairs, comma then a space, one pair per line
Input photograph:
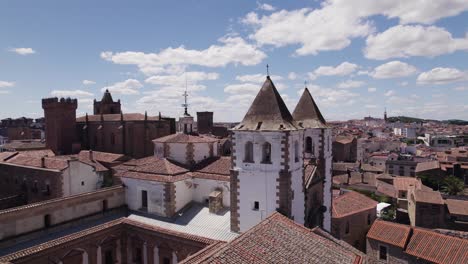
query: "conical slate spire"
307, 113
268, 111
107, 97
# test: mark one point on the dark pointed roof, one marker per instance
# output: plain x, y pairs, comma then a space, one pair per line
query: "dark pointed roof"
268, 111
307, 113
107, 97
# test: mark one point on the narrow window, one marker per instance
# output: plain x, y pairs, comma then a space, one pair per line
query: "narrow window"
383, 253
112, 139
256, 206
308, 145
347, 228
266, 153
368, 219
82, 183
144, 199
248, 152
104, 205
47, 220
296, 151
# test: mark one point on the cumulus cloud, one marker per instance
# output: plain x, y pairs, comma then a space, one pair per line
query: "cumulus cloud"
23, 51
389, 93
461, 88
371, 89
343, 69
127, 87
412, 40
265, 7
71, 93
88, 82
292, 76
242, 88
5, 84
393, 69
179, 80
350, 84
337, 22
441, 76
257, 78
232, 50
330, 97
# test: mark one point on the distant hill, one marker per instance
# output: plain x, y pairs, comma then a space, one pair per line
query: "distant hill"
407, 119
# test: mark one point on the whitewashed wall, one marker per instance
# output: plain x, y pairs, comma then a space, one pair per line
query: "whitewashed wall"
155, 195
297, 172
184, 193
78, 173
203, 188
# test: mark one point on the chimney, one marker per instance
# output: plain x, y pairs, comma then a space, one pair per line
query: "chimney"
91, 155
42, 162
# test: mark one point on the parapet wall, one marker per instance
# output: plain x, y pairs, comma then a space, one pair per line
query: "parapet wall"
32, 217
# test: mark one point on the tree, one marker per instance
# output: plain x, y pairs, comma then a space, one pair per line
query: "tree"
452, 185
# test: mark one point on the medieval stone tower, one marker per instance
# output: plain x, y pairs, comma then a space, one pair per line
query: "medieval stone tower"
107, 105
271, 148
317, 146
60, 124
267, 173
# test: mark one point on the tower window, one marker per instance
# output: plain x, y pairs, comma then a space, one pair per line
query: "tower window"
368, 219
296, 151
248, 152
308, 145
256, 206
266, 153
347, 228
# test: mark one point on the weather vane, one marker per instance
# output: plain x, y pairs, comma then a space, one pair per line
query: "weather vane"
268, 70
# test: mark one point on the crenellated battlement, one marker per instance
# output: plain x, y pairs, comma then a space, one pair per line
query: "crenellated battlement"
54, 102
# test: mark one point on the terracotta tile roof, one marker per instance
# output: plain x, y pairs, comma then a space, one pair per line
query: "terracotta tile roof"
390, 233
437, 248
38, 153
343, 166
25, 145
218, 165
351, 203
102, 156
344, 140
386, 189
403, 183
370, 168
267, 112
50, 163
116, 117
429, 165
431, 197
6, 155
278, 239
185, 138
153, 169
60, 241
457, 207
204, 253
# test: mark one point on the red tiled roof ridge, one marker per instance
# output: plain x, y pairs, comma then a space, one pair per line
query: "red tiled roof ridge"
202, 254
371, 205
60, 240
403, 240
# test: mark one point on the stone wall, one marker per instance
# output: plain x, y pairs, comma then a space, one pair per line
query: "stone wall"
32, 217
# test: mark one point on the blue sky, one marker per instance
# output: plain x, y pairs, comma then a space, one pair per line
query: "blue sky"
357, 57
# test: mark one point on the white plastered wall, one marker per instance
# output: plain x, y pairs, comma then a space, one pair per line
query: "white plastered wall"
155, 191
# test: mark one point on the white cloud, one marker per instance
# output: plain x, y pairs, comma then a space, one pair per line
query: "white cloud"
292, 76
88, 82
335, 23
461, 88
371, 89
370, 106
389, 93
5, 84
412, 40
242, 88
71, 93
265, 7
343, 69
393, 69
350, 84
405, 83
441, 76
4, 92
179, 80
23, 51
400, 100
257, 78
233, 50
330, 97
127, 87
